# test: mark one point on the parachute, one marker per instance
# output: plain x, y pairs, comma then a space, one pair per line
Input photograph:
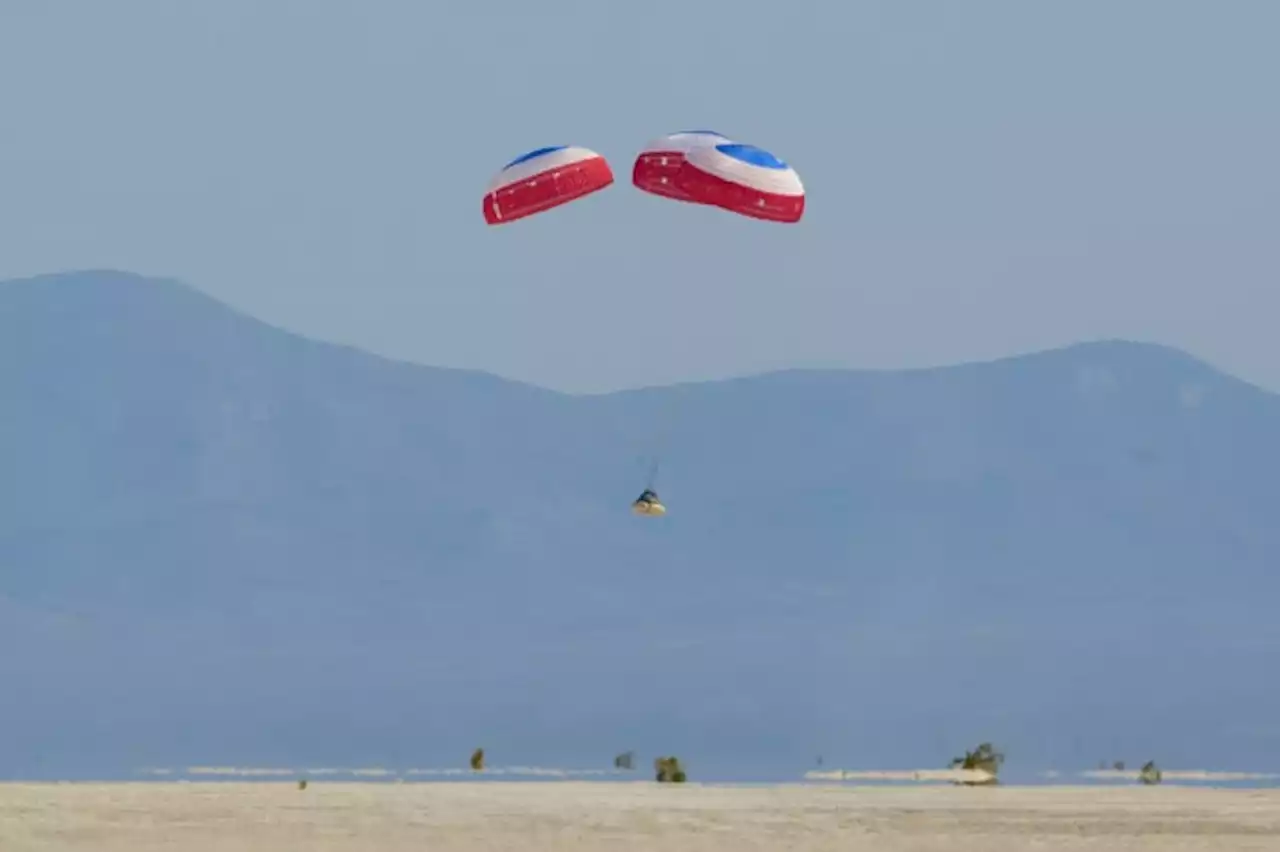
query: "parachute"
543, 179
700, 167
658, 165
742, 179
705, 167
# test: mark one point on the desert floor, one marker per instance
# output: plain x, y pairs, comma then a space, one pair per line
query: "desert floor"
248, 817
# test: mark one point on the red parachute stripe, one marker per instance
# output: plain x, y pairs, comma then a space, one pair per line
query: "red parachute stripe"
546, 190
734, 197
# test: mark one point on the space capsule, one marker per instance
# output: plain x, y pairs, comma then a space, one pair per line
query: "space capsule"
648, 504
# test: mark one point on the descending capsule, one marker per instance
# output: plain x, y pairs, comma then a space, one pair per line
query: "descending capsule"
657, 166
543, 179
649, 505
743, 179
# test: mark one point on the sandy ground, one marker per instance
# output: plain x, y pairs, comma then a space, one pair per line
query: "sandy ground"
201, 817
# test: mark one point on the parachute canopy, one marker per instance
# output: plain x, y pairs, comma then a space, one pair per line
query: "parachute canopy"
743, 179
657, 166
648, 504
543, 179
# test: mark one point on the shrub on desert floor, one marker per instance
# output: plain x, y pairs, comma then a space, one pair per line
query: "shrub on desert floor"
669, 770
985, 758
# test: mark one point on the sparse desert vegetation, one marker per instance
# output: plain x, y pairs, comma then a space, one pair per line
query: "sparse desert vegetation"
985, 759
668, 770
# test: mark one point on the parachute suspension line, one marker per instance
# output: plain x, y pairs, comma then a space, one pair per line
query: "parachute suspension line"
664, 425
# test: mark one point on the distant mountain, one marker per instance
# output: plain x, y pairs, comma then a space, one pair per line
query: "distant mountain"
224, 543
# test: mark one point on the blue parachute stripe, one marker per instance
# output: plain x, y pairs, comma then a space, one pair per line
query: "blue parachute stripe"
700, 132
524, 158
751, 155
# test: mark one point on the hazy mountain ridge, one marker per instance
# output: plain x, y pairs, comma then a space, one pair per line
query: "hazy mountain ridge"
207, 519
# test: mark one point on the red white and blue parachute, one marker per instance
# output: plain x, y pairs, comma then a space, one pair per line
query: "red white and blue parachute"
658, 164
700, 167
743, 179
543, 179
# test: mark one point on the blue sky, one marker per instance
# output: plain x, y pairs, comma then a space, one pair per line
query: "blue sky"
984, 178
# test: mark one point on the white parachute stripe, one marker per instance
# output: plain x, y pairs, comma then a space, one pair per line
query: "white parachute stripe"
773, 181
547, 162
684, 142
